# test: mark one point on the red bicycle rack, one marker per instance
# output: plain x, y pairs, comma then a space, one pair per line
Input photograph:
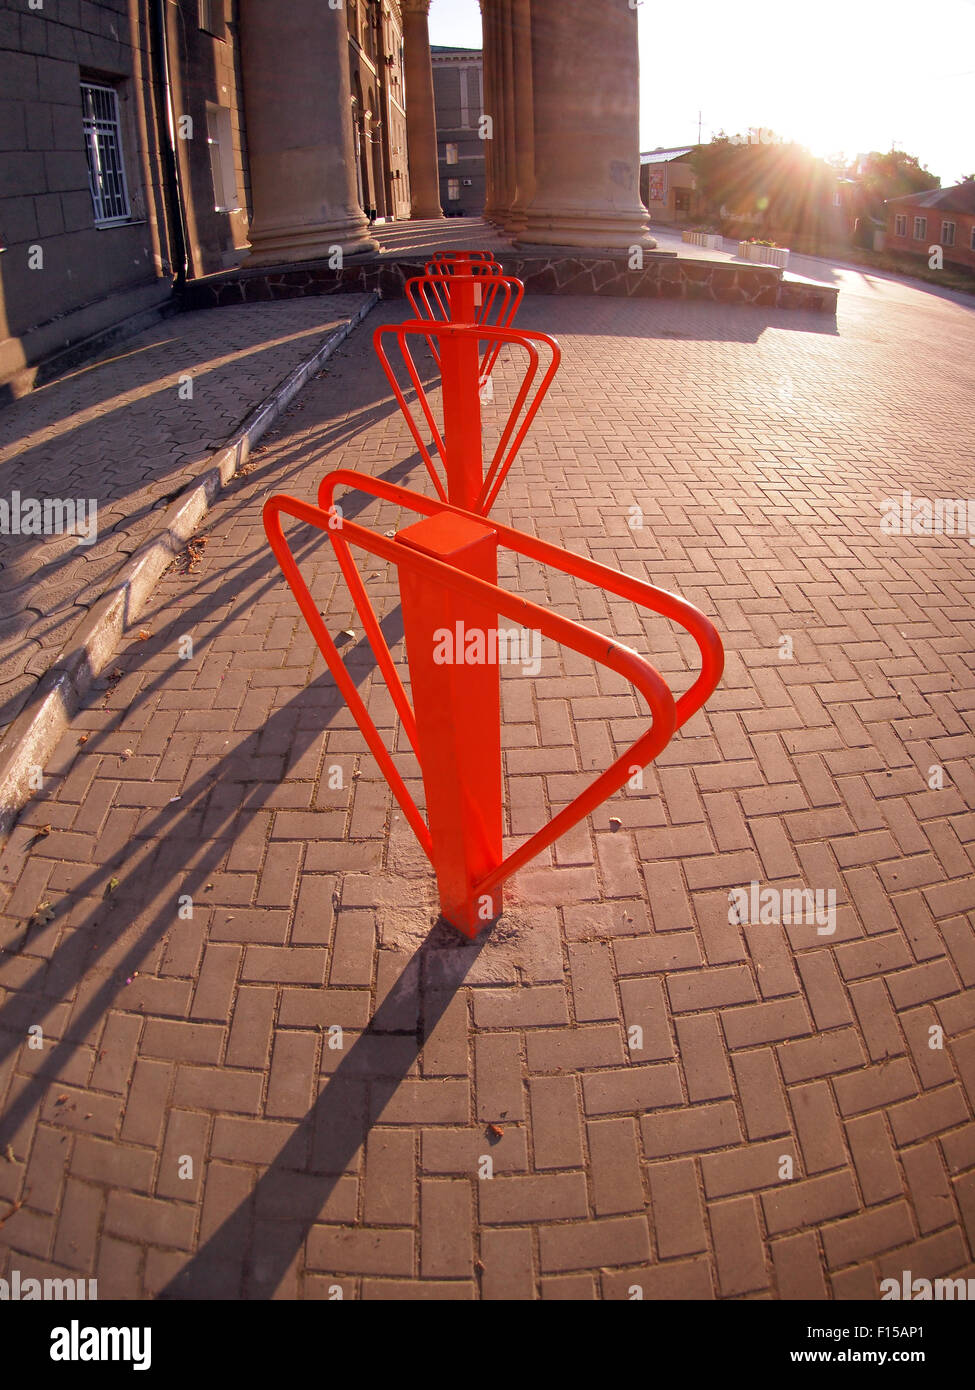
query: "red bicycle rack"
443, 297
440, 258
458, 299
462, 365
447, 567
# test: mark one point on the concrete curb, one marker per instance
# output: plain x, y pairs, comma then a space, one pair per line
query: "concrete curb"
34, 734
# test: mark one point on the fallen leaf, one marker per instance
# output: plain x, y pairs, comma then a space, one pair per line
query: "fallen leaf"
8, 1154
112, 885
42, 915
61, 1099
348, 632
125, 754
83, 738
15, 1206
495, 1131
144, 634
615, 822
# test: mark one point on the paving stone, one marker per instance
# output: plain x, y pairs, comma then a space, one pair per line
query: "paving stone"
654, 1167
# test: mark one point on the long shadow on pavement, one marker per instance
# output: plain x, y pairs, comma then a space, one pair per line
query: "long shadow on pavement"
206, 817
250, 1252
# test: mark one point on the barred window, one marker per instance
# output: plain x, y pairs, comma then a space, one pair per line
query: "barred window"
947, 234
920, 228
900, 224
103, 145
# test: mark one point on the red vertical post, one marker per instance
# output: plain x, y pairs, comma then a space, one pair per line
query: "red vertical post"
464, 293
460, 375
460, 372
456, 691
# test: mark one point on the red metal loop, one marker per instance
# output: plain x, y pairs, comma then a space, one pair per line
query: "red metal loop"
450, 449
439, 297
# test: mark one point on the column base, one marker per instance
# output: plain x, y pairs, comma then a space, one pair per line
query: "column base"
425, 213
280, 246
515, 222
600, 230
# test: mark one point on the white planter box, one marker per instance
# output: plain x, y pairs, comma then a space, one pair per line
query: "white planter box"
712, 240
764, 255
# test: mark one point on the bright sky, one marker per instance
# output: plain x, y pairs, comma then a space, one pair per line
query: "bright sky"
841, 75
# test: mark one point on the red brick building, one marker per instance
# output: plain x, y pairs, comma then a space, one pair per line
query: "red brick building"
943, 217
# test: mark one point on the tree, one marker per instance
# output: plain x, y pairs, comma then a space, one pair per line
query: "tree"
760, 185
892, 175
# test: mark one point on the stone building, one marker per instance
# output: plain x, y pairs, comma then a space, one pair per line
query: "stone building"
150, 142
378, 108
458, 95
126, 161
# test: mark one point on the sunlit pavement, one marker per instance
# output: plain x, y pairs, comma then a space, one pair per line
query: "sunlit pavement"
621, 1086
127, 431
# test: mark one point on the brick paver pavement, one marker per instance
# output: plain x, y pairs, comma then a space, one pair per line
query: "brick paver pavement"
263, 1074
129, 430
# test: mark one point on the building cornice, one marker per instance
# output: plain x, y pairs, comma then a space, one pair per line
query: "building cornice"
460, 59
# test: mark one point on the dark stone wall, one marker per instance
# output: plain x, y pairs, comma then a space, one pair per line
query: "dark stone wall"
664, 277
45, 199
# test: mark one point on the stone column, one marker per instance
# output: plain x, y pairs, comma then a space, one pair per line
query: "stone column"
491, 88
508, 116
524, 118
421, 119
298, 113
586, 91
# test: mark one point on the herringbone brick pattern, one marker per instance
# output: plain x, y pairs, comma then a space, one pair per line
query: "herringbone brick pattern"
263, 1074
130, 430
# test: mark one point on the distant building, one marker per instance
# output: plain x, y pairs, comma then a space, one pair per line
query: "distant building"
378, 108
942, 217
458, 75
667, 184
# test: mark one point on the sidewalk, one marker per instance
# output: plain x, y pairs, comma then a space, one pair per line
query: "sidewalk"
128, 431
231, 954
